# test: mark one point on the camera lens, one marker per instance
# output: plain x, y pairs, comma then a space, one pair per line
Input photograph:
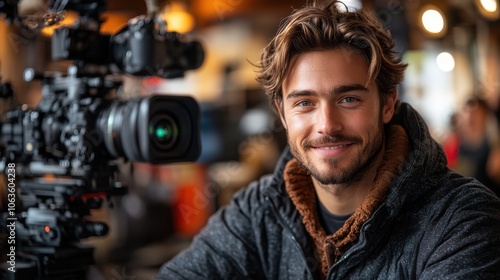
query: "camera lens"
163, 131
157, 129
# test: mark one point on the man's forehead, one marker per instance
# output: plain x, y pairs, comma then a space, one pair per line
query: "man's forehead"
338, 65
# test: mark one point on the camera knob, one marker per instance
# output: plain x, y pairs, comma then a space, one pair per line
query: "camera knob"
30, 74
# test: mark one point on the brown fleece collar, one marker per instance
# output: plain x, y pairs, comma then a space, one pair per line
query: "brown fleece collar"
301, 191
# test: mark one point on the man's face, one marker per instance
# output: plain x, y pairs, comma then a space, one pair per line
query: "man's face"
333, 116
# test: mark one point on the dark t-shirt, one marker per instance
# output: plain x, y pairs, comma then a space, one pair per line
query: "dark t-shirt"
330, 222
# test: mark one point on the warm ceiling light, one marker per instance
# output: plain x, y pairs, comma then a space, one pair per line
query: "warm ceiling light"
445, 61
489, 5
178, 18
433, 21
488, 8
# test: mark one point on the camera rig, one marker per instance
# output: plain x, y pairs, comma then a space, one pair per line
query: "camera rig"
64, 153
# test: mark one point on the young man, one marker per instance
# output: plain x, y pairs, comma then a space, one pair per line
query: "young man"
363, 192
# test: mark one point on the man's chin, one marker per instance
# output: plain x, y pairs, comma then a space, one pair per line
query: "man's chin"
334, 174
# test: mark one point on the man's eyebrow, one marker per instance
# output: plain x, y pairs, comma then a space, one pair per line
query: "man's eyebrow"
335, 91
300, 93
347, 88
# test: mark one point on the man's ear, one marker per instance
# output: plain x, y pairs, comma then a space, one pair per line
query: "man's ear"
279, 109
389, 106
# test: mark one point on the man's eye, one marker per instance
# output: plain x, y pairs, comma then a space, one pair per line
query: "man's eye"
349, 99
303, 103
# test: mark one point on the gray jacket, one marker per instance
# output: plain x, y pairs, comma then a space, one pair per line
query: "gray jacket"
434, 224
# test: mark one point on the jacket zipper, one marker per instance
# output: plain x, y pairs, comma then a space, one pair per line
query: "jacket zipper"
287, 228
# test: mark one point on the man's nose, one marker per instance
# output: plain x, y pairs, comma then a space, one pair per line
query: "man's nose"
329, 120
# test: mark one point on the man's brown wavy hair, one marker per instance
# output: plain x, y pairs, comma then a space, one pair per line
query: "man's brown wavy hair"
325, 26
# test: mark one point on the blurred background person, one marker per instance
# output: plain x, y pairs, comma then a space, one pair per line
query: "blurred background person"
493, 164
477, 132
451, 142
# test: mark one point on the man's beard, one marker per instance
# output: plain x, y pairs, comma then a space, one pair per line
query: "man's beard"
355, 170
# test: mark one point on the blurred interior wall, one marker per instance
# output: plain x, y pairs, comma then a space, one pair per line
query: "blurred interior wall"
488, 37
20, 49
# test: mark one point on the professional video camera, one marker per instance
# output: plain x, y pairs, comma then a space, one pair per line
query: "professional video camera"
60, 159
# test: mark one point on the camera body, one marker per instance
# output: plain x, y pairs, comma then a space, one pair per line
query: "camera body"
141, 48
79, 122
